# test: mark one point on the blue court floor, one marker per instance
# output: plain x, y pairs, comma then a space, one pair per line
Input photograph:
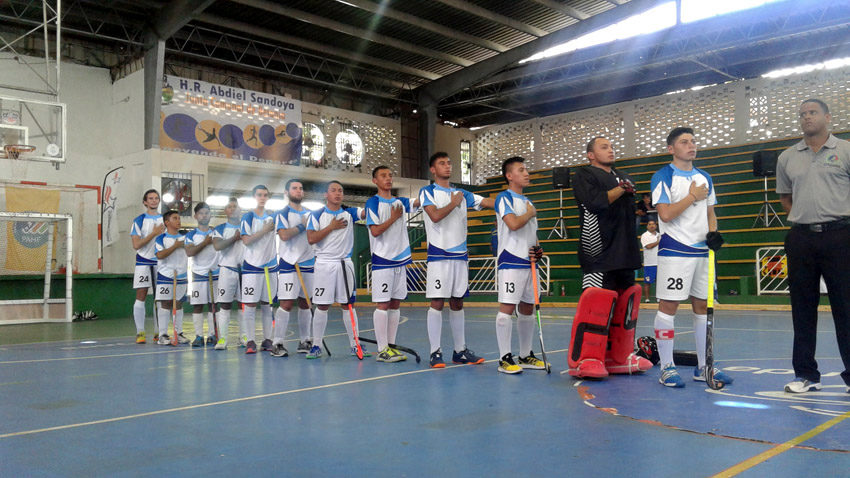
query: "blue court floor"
109, 407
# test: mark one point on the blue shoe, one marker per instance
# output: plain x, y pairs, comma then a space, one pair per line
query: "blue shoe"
315, 352
670, 377
366, 353
467, 356
198, 342
719, 376
437, 359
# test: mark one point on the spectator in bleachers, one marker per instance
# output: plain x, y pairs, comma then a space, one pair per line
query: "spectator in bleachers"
644, 212
649, 240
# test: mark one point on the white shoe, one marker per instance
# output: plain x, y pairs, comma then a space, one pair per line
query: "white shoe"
222, 344
801, 385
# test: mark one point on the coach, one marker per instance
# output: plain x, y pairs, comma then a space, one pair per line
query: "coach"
813, 182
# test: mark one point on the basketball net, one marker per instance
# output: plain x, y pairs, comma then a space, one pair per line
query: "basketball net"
19, 154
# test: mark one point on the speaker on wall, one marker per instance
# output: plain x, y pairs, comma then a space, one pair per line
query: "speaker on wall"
764, 163
560, 178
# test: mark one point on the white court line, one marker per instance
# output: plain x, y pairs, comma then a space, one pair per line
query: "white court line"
236, 400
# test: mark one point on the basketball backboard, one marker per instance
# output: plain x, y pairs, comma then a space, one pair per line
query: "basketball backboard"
35, 123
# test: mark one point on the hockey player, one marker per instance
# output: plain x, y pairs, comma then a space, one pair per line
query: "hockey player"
516, 223
331, 231
602, 340
205, 261
173, 263
227, 240
145, 229
685, 198
448, 261
291, 224
259, 269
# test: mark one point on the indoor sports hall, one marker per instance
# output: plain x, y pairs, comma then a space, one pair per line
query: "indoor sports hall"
200, 101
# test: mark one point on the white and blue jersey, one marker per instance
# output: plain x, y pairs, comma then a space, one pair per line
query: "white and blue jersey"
177, 262
684, 236
260, 253
513, 246
447, 238
392, 248
338, 244
143, 227
205, 261
233, 256
296, 250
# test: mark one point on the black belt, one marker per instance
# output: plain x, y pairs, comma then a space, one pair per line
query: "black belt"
824, 226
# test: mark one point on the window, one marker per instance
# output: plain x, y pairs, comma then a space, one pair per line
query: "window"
313, 147
465, 162
349, 147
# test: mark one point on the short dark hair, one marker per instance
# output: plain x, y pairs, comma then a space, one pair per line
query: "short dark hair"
819, 102
289, 183
652, 220
201, 205
145, 195
375, 171
332, 181
258, 187
593, 142
508, 162
167, 214
232, 199
674, 135
436, 156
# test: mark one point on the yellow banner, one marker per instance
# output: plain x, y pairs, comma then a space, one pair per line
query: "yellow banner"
27, 240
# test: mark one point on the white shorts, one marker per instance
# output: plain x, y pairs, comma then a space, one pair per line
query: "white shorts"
447, 279
682, 277
201, 291
165, 286
329, 286
289, 287
142, 277
255, 289
227, 286
388, 284
515, 286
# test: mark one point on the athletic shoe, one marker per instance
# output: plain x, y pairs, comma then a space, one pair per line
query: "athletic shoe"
437, 359
278, 350
164, 339
304, 347
531, 362
156, 337
251, 347
243, 341
467, 356
222, 344
670, 377
181, 339
801, 385
507, 364
366, 353
198, 342
315, 352
390, 355
212, 340
400, 355
719, 376
140, 338
266, 345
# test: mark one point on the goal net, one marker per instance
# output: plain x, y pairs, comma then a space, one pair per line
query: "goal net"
36, 267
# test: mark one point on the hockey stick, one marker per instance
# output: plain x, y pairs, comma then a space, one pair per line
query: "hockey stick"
351, 311
212, 307
394, 346
536, 286
309, 302
174, 310
709, 329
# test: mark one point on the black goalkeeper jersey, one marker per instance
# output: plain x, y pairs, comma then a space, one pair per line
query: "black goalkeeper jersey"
608, 239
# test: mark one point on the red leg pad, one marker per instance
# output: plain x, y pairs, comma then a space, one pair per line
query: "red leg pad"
589, 338
620, 356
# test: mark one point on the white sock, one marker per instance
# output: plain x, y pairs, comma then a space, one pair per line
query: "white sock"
281, 321
393, 318
179, 318
240, 319
320, 321
304, 317
379, 321
268, 327
211, 322
699, 337
664, 337
435, 328
164, 317
525, 330
503, 333
139, 315
346, 319
198, 323
456, 320
223, 317
250, 322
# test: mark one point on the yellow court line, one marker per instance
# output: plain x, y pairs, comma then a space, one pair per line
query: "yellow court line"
764, 456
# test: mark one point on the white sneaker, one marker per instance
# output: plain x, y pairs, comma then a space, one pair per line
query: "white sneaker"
801, 385
222, 344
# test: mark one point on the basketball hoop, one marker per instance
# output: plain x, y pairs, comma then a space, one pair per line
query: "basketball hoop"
14, 151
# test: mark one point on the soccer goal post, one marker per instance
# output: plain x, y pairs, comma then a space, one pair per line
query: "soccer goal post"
36, 267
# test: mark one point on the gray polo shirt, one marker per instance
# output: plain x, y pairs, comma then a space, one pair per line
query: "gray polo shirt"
819, 183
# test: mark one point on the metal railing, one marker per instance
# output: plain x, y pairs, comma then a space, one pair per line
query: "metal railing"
771, 271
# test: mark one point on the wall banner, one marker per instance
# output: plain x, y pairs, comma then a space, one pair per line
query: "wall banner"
228, 122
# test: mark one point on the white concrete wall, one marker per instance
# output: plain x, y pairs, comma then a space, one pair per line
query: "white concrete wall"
448, 139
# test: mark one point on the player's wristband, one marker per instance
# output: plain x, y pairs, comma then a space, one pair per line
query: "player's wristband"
300, 228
